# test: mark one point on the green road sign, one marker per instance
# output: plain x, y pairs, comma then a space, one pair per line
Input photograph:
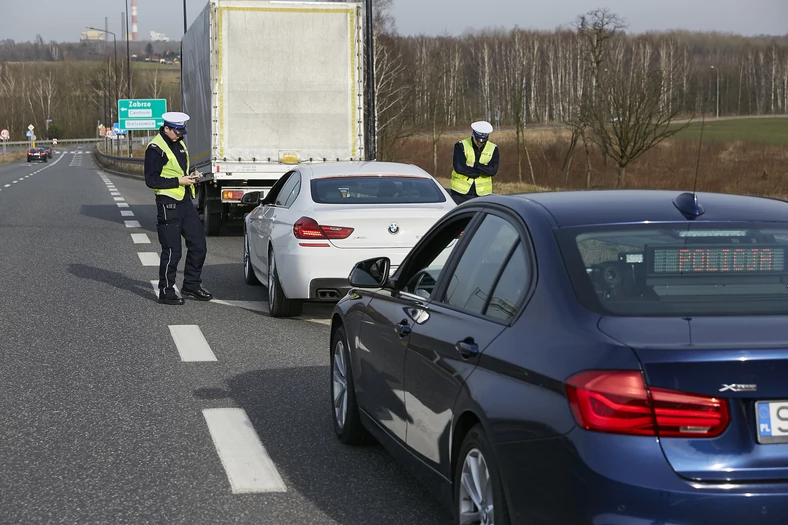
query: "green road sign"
144, 114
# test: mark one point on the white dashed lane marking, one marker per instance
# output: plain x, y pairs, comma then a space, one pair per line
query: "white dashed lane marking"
191, 344
126, 213
140, 238
123, 205
244, 458
149, 258
132, 224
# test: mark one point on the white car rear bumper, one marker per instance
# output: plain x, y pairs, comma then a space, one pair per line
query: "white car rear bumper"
321, 273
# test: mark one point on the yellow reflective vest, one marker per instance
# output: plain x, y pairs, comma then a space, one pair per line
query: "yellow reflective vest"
172, 170
461, 183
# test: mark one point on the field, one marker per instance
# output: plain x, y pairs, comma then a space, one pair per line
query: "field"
748, 156
764, 130
12, 156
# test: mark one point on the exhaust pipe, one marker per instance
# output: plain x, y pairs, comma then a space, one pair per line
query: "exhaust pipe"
328, 294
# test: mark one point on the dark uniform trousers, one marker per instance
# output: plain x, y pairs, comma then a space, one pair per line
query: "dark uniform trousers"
174, 221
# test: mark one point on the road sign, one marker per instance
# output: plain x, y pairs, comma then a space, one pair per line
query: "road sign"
28, 133
54, 142
31, 127
5, 135
141, 113
32, 137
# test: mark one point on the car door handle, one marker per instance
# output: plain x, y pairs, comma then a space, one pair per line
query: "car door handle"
467, 348
403, 328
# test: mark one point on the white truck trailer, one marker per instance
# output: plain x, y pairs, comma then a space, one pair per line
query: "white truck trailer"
269, 84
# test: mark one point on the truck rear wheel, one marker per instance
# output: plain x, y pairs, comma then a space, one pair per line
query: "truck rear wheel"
212, 218
210, 206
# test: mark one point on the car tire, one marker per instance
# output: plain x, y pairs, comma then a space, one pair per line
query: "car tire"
278, 303
492, 504
249, 275
344, 409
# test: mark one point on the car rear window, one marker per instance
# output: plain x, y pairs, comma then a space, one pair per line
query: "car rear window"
679, 270
376, 190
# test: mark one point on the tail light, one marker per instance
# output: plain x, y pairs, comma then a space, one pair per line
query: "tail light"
620, 402
308, 228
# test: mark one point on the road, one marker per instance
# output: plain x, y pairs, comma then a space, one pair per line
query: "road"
117, 409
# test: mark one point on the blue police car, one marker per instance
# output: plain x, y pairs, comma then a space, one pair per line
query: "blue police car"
580, 358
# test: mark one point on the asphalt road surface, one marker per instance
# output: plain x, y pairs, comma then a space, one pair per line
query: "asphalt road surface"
116, 409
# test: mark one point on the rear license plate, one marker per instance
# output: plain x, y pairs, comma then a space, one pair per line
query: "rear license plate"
772, 421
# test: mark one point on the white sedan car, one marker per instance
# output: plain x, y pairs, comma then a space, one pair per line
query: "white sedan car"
318, 221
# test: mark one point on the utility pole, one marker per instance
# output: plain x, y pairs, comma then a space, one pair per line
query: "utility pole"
371, 125
128, 71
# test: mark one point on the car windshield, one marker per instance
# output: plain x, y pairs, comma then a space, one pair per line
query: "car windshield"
376, 190
679, 270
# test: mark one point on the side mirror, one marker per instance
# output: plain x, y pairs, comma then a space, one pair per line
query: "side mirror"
253, 197
371, 273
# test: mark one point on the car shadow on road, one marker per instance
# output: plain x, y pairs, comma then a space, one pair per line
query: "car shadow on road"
114, 279
290, 410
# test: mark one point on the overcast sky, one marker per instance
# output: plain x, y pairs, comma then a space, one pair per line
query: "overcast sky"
64, 20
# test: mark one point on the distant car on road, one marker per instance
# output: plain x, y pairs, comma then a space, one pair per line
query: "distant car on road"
583, 358
48, 150
39, 154
317, 221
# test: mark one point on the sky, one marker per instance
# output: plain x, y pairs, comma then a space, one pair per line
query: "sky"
64, 20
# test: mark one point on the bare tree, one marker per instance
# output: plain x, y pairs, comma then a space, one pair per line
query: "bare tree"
630, 108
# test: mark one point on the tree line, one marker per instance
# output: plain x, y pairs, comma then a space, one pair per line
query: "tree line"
622, 93
513, 78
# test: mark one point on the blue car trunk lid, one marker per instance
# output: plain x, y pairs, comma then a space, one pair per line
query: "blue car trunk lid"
743, 360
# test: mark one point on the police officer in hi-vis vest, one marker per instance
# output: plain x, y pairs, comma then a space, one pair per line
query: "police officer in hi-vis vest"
166, 168
475, 164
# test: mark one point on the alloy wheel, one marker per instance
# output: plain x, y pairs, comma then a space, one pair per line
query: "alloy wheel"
270, 279
340, 384
247, 264
476, 495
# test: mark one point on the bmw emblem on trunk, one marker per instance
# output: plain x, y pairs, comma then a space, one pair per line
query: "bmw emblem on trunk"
393, 228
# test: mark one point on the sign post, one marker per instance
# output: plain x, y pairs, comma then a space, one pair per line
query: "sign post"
5, 135
141, 114
30, 129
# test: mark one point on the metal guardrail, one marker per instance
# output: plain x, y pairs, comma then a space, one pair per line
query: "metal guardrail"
59, 141
119, 165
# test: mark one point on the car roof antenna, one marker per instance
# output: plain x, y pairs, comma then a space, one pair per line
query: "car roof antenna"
687, 203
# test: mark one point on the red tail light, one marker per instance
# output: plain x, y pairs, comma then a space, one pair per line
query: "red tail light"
308, 228
619, 402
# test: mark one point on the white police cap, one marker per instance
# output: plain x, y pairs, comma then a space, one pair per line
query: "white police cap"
176, 120
482, 127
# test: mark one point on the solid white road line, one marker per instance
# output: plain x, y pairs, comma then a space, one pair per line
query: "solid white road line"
191, 344
140, 238
248, 467
132, 224
149, 258
123, 205
126, 213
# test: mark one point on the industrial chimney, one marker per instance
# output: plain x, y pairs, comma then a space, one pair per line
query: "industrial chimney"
134, 20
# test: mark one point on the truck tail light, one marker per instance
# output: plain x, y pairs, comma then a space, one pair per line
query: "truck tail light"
620, 402
232, 195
